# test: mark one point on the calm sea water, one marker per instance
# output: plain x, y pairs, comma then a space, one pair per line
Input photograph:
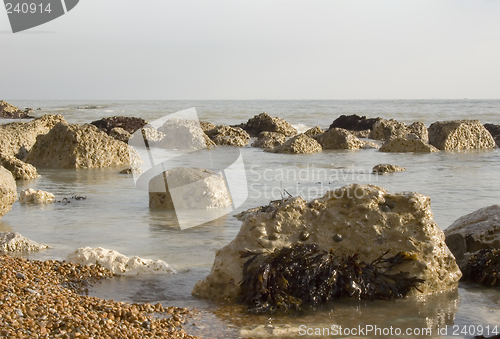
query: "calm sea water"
115, 214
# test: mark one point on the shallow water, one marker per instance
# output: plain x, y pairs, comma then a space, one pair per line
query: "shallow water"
115, 214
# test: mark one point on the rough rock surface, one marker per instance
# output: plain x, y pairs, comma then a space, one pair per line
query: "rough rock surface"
188, 188
314, 131
458, 135
120, 134
269, 140
78, 146
387, 168
264, 122
407, 145
357, 219
15, 242
391, 129
207, 126
12, 112
183, 134
129, 124
299, 144
473, 232
17, 138
494, 131
8, 192
148, 133
370, 145
31, 196
339, 138
19, 169
354, 122
131, 170
361, 134
118, 263
228, 136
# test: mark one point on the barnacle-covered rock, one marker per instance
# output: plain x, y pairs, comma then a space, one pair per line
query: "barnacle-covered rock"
391, 129
299, 144
269, 140
459, 135
228, 136
387, 168
265, 122
362, 220
338, 138
314, 131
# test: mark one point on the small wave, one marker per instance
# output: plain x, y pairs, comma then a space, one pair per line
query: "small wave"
301, 128
90, 107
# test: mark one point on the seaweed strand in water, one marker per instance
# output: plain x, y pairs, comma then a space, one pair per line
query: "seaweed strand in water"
304, 274
483, 267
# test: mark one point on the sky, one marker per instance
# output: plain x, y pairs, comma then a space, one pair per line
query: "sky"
257, 49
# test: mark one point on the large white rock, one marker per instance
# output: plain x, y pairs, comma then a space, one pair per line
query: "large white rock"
183, 134
31, 196
15, 242
473, 232
8, 192
458, 135
188, 188
78, 146
355, 219
118, 263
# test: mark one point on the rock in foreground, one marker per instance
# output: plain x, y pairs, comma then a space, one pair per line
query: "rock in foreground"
228, 136
118, 263
188, 188
19, 169
8, 193
30, 196
15, 242
78, 146
269, 140
459, 135
362, 220
474, 232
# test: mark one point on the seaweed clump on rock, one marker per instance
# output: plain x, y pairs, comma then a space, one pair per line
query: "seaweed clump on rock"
483, 267
306, 275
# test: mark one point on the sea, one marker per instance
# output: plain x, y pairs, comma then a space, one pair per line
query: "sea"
115, 215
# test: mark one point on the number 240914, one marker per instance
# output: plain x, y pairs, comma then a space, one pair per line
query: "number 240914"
27, 8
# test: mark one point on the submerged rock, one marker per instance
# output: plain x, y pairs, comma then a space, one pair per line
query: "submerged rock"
36, 197
494, 131
131, 170
189, 188
19, 169
387, 168
269, 140
459, 135
128, 124
299, 144
474, 232
314, 131
78, 146
8, 192
338, 138
362, 220
408, 144
483, 267
12, 112
17, 138
354, 122
228, 136
15, 242
265, 123
118, 263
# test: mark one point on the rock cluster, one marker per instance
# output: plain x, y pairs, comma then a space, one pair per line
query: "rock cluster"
8, 193
494, 131
15, 242
265, 123
459, 135
299, 144
354, 122
31, 196
188, 188
78, 146
41, 299
390, 129
408, 144
12, 112
128, 124
362, 220
228, 136
474, 232
387, 168
118, 263
339, 138
269, 140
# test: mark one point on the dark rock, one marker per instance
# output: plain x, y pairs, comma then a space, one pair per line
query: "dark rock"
483, 267
354, 122
129, 124
494, 131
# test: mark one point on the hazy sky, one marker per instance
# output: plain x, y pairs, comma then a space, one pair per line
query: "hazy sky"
257, 49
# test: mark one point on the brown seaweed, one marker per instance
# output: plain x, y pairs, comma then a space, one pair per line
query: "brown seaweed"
305, 275
483, 267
